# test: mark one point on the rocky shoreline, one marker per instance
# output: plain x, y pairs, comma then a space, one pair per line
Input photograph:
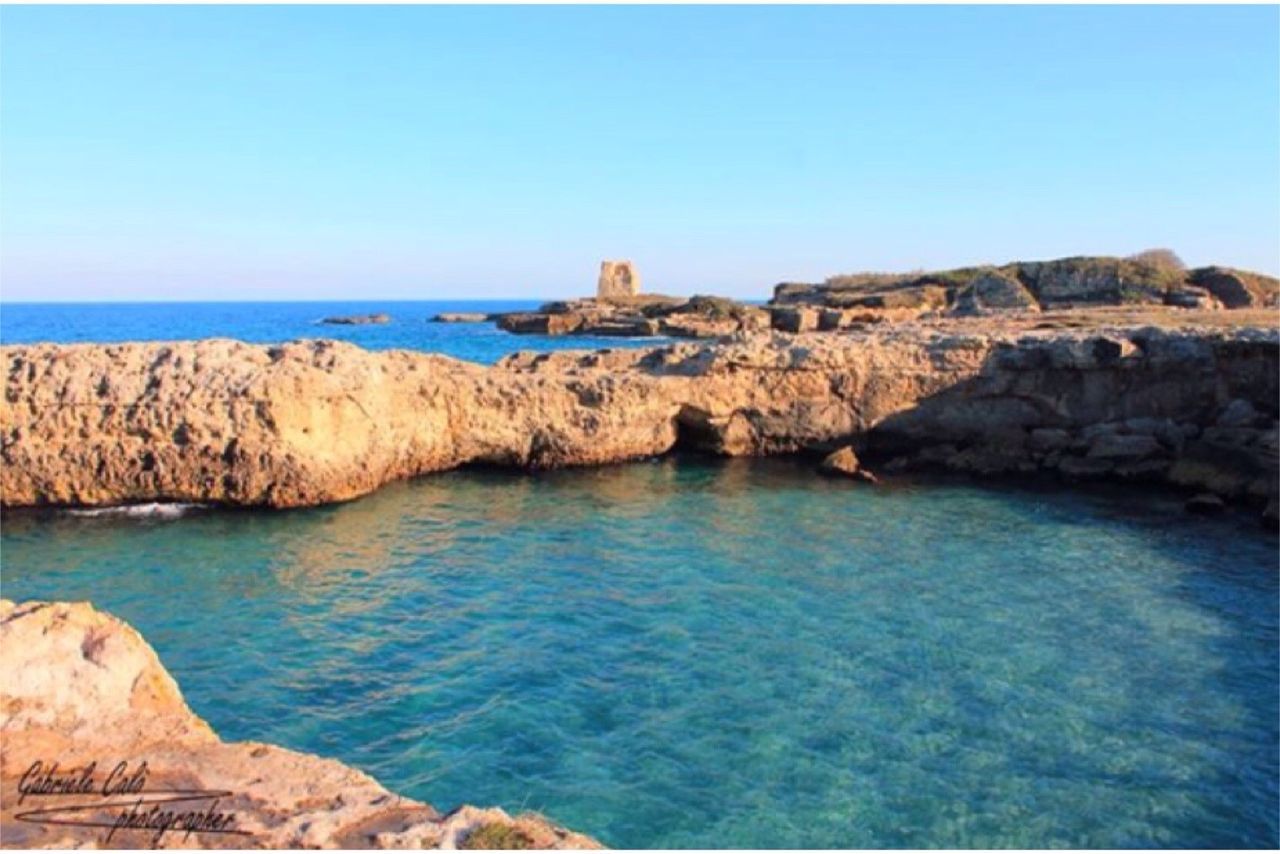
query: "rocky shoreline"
841, 302
1170, 396
83, 693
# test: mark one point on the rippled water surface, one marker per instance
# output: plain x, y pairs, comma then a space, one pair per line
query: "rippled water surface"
728, 654
272, 322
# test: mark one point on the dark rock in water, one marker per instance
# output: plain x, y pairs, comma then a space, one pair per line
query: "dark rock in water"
844, 462
1205, 504
357, 319
461, 317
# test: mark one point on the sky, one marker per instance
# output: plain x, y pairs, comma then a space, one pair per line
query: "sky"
161, 153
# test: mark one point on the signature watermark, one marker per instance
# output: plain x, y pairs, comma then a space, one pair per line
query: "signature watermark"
119, 801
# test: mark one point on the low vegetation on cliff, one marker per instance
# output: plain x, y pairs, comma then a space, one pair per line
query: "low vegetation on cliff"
1155, 276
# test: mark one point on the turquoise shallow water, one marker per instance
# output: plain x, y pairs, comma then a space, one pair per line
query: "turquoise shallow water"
729, 654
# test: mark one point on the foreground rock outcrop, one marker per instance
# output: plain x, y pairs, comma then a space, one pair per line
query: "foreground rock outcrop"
92, 724
1170, 396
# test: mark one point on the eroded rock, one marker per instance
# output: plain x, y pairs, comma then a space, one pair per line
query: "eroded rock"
309, 422
844, 463
82, 687
357, 319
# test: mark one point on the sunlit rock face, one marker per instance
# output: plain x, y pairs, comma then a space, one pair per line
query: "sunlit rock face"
1122, 395
83, 693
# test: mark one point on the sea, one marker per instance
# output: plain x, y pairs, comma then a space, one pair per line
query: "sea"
698, 652
410, 326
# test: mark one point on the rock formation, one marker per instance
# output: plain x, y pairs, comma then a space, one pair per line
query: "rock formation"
1169, 396
1036, 285
357, 319
648, 315
461, 317
618, 279
844, 462
82, 687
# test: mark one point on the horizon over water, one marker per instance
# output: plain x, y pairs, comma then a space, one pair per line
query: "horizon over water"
270, 322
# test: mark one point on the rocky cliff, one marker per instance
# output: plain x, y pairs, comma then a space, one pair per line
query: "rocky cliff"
1036, 285
93, 724
1181, 397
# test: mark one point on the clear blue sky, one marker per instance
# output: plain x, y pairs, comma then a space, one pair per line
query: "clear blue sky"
434, 152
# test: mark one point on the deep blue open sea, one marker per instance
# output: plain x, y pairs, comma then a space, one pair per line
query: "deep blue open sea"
272, 322
706, 653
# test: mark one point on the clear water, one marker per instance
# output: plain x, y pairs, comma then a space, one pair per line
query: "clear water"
729, 654
274, 322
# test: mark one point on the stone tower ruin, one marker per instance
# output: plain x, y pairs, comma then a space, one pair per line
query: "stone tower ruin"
618, 280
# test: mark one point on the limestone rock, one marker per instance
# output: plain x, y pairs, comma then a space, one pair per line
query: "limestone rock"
1078, 281
1236, 288
223, 422
617, 279
844, 462
460, 317
81, 686
795, 319
994, 291
357, 319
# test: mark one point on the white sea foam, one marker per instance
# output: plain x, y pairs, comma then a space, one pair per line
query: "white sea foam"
153, 510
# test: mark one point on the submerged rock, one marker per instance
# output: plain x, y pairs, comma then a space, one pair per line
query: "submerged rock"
80, 687
357, 319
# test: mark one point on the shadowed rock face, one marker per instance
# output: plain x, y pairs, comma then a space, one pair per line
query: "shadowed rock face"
81, 687
317, 421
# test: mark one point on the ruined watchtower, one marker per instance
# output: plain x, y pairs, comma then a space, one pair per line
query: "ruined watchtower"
618, 279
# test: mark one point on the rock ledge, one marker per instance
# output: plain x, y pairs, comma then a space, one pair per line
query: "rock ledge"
80, 687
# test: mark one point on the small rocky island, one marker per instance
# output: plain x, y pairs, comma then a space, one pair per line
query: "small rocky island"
357, 320
619, 309
850, 301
